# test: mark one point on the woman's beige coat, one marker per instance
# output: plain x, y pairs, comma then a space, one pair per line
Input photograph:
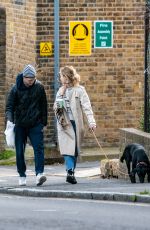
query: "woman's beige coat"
79, 104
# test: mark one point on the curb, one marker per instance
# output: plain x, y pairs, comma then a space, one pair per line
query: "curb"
107, 196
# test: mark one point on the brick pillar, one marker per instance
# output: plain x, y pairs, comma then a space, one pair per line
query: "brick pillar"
2, 74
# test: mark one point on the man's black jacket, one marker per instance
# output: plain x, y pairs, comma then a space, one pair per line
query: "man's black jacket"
26, 106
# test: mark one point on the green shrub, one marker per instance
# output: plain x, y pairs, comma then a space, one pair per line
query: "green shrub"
6, 154
145, 192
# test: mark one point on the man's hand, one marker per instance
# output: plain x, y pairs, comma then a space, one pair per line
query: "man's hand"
9, 124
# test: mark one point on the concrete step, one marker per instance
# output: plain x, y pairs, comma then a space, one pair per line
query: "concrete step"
52, 155
97, 154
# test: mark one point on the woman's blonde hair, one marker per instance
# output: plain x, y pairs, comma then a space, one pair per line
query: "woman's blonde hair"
71, 74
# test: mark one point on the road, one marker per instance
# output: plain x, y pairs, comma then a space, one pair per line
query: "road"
20, 213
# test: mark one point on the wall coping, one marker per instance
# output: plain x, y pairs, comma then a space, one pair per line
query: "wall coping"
2, 9
136, 132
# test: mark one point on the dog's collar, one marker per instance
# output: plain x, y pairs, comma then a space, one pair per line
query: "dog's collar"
141, 163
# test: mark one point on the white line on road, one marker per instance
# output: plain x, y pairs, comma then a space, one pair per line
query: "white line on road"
45, 210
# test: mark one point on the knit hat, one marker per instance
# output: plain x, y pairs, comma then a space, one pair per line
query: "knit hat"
29, 71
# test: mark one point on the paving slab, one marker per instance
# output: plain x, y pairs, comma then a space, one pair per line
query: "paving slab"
90, 184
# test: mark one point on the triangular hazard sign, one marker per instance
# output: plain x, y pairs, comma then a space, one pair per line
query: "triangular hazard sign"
46, 49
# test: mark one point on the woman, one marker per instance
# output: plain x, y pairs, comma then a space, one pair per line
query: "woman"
71, 101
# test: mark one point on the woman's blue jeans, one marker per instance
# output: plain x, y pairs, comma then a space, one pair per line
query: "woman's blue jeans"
35, 135
70, 161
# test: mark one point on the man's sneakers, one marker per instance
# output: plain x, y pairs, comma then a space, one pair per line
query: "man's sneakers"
40, 179
71, 178
22, 181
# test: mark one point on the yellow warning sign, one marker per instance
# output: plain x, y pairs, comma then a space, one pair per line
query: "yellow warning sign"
79, 38
45, 48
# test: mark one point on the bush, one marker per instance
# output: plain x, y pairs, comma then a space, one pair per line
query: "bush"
6, 154
145, 192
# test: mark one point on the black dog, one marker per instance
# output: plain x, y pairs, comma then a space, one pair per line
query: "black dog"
136, 154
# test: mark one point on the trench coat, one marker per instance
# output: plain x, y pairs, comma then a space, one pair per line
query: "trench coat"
79, 104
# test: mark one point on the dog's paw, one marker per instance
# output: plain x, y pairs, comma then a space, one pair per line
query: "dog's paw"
132, 178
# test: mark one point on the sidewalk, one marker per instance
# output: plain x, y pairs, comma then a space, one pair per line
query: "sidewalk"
90, 185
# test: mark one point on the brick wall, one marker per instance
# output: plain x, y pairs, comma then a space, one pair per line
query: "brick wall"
113, 77
21, 36
45, 33
2, 72
20, 43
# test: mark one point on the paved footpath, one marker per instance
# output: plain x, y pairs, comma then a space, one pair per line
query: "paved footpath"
90, 185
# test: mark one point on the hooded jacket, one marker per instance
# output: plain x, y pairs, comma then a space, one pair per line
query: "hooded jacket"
26, 106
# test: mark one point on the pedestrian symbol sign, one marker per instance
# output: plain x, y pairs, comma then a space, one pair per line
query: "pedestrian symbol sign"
45, 48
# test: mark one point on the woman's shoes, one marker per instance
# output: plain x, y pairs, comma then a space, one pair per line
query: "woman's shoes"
71, 178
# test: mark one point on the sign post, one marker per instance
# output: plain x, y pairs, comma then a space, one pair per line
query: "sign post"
103, 34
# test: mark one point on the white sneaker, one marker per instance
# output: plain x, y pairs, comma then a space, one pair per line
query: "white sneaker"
22, 181
40, 179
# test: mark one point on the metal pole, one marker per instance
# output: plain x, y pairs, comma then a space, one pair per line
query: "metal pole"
146, 102
56, 58
56, 45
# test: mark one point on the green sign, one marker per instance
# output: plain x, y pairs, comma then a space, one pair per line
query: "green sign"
103, 34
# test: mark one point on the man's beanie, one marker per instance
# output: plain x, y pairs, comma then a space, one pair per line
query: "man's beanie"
29, 71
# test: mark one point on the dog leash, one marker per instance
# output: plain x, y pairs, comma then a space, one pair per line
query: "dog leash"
106, 154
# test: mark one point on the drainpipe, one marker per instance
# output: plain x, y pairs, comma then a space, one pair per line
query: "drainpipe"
56, 45
146, 93
56, 58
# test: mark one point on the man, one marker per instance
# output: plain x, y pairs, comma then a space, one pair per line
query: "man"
26, 107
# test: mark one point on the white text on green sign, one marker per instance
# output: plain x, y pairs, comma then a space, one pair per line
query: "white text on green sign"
103, 34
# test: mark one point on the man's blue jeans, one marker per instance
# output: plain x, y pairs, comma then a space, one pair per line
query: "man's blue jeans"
35, 135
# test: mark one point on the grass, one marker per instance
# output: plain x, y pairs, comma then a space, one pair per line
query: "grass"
7, 154
145, 192
133, 198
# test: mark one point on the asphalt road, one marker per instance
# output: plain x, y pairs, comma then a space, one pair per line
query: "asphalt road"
20, 213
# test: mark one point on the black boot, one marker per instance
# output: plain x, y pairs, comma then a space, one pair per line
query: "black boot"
70, 177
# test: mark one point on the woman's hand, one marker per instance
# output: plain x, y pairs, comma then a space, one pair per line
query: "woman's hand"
55, 106
92, 128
